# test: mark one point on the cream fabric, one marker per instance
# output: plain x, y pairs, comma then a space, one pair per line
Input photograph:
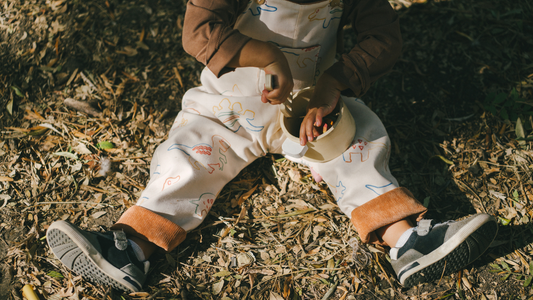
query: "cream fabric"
224, 126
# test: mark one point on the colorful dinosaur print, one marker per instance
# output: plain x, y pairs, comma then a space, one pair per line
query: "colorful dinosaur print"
142, 200
235, 117
362, 148
203, 204
338, 190
201, 155
262, 8
181, 121
376, 189
170, 181
325, 16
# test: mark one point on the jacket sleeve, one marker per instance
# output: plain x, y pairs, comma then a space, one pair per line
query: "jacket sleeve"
208, 32
378, 47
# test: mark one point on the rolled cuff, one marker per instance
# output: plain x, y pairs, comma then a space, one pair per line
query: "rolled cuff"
386, 209
147, 225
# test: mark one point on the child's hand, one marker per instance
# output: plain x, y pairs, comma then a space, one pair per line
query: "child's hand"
267, 56
322, 103
283, 82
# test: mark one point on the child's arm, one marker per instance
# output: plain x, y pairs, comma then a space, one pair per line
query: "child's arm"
379, 45
208, 35
268, 57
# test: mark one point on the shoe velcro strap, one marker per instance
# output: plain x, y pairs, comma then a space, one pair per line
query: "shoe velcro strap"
423, 228
121, 242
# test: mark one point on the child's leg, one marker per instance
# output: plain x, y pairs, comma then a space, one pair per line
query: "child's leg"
382, 212
390, 234
212, 140
362, 184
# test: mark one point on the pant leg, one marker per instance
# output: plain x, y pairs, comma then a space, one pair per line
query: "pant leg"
213, 138
361, 181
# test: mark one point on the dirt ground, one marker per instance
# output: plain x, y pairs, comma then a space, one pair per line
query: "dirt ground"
88, 89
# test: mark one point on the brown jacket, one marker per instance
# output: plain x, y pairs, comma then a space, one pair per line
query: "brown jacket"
208, 35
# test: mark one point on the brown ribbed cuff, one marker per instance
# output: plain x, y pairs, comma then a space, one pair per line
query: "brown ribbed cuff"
149, 226
386, 209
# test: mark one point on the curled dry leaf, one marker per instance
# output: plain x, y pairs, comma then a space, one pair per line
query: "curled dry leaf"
83, 107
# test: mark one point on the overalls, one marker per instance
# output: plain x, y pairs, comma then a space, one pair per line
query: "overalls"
223, 127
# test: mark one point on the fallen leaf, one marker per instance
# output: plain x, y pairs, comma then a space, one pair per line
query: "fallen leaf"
81, 148
275, 296
50, 126
139, 294
105, 145
97, 215
66, 154
295, 175
222, 273
37, 130
245, 259
9, 106
314, 251
18, 92
217, 287
129, 51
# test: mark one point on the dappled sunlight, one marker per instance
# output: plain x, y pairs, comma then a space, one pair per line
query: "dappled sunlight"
88, 90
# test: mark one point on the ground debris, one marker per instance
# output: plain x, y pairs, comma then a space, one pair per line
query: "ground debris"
92, 87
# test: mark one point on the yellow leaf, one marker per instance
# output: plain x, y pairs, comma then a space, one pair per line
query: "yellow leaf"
444, 159
9, 106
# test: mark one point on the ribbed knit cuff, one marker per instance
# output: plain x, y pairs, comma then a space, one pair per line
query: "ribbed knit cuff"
386, 209
145, 224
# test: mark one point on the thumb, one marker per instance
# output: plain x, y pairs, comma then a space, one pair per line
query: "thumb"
318, 117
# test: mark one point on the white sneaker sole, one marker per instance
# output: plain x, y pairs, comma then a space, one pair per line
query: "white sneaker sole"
80, 256
451, 256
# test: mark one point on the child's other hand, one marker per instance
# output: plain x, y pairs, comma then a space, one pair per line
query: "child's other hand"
283, 82
322, 103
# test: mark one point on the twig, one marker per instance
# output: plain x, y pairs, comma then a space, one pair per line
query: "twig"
442, 275
385, 273
87, 81
331, 290
106, 293
36, 197
154, 295
89, 188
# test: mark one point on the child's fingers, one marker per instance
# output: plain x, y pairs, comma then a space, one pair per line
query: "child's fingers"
318, 117
315, 132
275, 97
307, 129
264, 96
303, 131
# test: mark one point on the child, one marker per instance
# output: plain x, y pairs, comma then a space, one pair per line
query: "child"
231, 120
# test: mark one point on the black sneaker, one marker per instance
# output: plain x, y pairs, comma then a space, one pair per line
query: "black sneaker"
103, 258
442, 249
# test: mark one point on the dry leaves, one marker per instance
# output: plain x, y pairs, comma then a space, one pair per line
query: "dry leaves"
91, 88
